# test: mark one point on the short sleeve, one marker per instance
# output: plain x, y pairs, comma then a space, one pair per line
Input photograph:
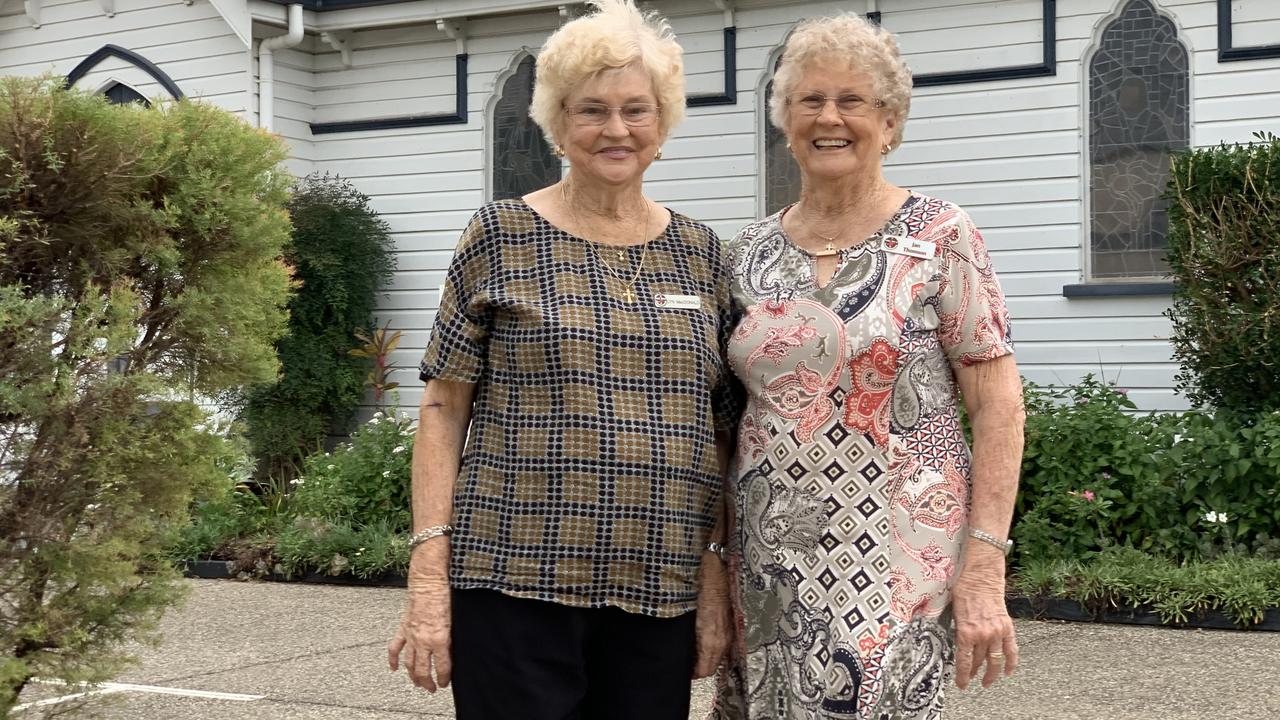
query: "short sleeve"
460, 336
973, 318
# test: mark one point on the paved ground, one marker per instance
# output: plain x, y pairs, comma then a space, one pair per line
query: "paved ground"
279, 651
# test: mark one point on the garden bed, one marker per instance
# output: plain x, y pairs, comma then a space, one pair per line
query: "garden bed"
1053, 608
226, 570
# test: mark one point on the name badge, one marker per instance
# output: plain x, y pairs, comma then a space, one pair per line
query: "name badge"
677, 302
913, 247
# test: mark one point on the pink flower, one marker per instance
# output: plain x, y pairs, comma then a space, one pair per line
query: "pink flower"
1087, 495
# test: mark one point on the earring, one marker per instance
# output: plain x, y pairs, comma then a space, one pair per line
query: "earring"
658, 155
557, 150
885, 150
788, 144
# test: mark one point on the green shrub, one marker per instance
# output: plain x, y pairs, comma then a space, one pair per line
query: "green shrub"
364, 481
340, 257
1094, 475
139, 257
338, 547
1097, 475
1230, 471
1224, 222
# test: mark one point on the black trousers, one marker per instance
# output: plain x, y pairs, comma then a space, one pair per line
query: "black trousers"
519, 659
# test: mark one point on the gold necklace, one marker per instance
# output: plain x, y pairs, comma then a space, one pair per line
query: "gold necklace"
628, 286
830, 248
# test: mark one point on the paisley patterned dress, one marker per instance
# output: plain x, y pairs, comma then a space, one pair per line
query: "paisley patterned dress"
851, 486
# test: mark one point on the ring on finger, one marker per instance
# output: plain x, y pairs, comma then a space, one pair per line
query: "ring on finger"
995, 654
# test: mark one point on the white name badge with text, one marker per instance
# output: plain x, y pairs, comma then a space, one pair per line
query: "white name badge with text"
677, 302
913, 247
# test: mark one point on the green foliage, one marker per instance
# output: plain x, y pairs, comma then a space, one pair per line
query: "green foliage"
340, 256
147, 240
364, 481
1223, 254
1244, 588
1093, 476
1097, 475
339, 547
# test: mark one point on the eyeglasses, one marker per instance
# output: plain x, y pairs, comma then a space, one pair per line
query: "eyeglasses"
848, 105
632, 114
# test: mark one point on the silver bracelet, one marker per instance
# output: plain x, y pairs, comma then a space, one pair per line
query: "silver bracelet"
1004, 545
426, 534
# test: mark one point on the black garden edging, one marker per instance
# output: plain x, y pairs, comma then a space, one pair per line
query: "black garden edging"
1070, 610
225, 569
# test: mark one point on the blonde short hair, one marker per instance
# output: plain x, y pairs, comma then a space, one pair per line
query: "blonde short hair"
617, 35
859, 45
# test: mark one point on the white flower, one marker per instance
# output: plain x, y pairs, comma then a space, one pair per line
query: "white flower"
397, 449
331, 467
386, 473
406, 433
1215, 517
377, 415
298, 481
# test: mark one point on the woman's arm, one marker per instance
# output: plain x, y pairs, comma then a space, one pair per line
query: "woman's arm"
714, 622
443, 418
992, 392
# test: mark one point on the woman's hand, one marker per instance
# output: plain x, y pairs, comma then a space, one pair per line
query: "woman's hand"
713, 625
984, 631
426, 628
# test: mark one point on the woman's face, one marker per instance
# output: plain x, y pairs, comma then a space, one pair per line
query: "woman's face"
615, 152
827, 144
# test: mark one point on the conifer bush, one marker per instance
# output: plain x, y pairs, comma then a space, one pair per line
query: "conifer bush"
1224, 255
139, 267
340, 257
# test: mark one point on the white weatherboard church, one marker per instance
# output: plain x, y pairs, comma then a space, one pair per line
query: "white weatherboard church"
1048, 120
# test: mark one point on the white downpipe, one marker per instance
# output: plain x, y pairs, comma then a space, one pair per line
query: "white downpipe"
267, 67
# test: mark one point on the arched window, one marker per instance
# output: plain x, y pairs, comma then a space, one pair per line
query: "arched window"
522, 158
781, 173
1139, 99
122, 94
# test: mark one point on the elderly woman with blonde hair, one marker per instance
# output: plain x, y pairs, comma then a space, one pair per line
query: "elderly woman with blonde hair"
567, 560
869, 542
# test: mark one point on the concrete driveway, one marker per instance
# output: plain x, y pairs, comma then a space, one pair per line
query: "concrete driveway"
285, 651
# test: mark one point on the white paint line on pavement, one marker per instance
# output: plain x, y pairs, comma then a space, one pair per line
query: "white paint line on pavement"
206, 694
108, 688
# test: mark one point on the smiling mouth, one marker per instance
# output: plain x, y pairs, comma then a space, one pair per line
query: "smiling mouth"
831, 143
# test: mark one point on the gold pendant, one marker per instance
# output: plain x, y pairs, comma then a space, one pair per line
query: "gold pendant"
628, 295
622, 255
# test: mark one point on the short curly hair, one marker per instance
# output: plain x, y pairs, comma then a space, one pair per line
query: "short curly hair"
858, 44
617, 35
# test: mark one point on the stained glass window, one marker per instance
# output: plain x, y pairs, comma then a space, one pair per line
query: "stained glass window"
781, 173
123, 95
1138, 112
522, 157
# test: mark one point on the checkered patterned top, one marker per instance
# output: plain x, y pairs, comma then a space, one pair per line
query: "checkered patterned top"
590, 475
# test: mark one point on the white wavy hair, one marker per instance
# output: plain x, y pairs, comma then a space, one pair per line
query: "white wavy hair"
850, 41
616, 35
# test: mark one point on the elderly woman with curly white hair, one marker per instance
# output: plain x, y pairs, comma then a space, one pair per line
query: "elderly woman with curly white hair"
568, 466
868, 541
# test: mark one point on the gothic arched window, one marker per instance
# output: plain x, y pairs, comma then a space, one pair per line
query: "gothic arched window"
121, 94
522, 158
1139, 100
781, 173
